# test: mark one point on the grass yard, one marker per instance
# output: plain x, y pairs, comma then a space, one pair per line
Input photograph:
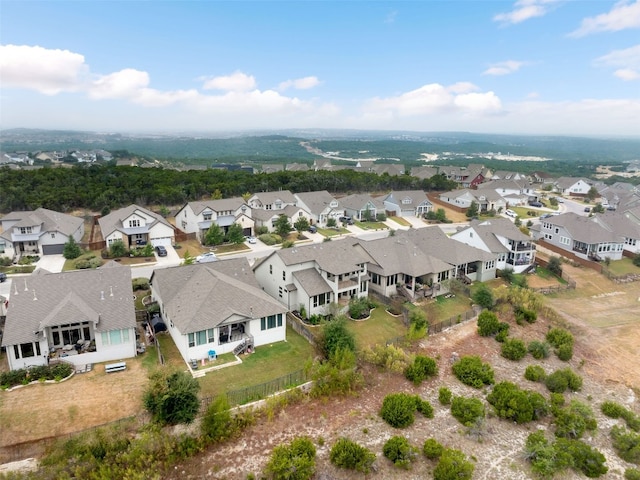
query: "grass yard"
547, 275
377, 329
623, 267
194, 247
267, 363
371, 225
444, 308
170, 352
400, 221
332, 232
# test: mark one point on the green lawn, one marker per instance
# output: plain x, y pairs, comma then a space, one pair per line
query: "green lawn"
372, 225
332, 232
445, 308
623, 267
377, 329
267, 363
547, 275
400, 221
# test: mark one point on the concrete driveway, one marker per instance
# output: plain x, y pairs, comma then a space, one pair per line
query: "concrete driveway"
51, 263
171, 260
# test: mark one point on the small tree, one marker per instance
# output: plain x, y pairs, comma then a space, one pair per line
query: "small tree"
432, 449
488, 323
336, 336
483, 296
592, 194
467, 410
555, 266
399, 451
172, 398
235, 234
71, 249
472, 211
214, 235
188, 258
117, 249
513, 349
295, 461
301, 225
282, 226
398, 409
331, 222
471, 371
217, 423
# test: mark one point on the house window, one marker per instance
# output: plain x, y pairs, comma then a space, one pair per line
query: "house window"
115, 337
375, 279
26, 350
53, 235
201, 337
210, 335
134, 223
192, 340
557, 230
280, 292
442, 276
321, 299
564, 240
270, 269
278, 205
206, 216
2, 247
272, 321
490, 265
25, 230
284, 275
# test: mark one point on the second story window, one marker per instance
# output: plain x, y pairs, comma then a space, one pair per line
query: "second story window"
206, 216
134, 223
25, 230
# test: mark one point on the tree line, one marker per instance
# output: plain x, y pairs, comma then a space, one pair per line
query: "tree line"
99, 187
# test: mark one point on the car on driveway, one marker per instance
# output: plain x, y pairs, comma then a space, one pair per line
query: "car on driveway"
313, 229
3, 277
161, 251
206, 258
251, 240
510, 213
587, 209
347, 220
536, 204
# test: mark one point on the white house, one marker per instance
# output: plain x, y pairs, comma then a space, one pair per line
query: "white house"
321, 206
216, 307
134, 225
572, 186
407, 203
359, 205
514, 249
314, 276
271, 200
80, 317
40, 232
197, 217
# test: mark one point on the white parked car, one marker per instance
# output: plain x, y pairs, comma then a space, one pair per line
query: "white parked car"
510, 213
251, 240
206, 257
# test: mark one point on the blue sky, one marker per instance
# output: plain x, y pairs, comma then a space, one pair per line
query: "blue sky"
528, 67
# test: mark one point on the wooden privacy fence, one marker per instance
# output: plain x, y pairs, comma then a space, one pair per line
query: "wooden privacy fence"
295, 323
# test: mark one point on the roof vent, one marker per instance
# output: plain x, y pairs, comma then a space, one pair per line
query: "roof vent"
34, 295
101, 294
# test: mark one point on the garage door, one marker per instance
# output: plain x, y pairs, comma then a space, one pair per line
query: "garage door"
164, 241
52, 249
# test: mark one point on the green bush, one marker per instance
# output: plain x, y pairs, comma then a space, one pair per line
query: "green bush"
585, 459
565, 352
172, 398
513, 349
632, 473
335, 336
535, 373
45, 372
88, 262
348, 454
424, 407
556, 400
398, 409
573, 420
525, 315
399, 451
483, 296
561, 380
471, 371
467, 410
488, 323
444, 396
453, 465
217, 422
388, 356
512, 403
559, 336
422, 368
615, 410
626, 444
71, 249
432, 449
538, 350
359, 308
295, 461
140, 283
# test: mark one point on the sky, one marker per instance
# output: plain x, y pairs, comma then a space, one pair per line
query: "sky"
539, 67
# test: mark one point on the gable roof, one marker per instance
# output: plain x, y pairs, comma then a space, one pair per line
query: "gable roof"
316, 202
433, 241
219, 205
312, 282
113, 221
585, 229
335, 257
50, 220
358, 201
619, 223
489, 230
198, 297
424, 172
268, 198
566, 182
104, 296
417, 197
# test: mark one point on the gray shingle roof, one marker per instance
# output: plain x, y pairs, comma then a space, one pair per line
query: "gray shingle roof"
417, 197
584, 229
433, 241
102, 295
312, 282
50, 220
335, 257
197, 297
358, 201
316, 202
267, 198
221, 205
620, 224
112, 222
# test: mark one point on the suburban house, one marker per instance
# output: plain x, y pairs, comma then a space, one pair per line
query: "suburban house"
470, 264
486, 198
622, 225
216, 307
407, 203
398, 266
515, 192
585, 237
467, 177
500, 236
271, 200
39, 232
572, 186
312, 277
424, 172
268, 218
359, 205
197, 217
80, 317
321, 206
134, 225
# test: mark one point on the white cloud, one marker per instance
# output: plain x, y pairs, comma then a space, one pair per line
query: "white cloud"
435, 98
623, 15
304, 83
627, 62
391, 17
503, 68
525, 10
36, 68
236, 82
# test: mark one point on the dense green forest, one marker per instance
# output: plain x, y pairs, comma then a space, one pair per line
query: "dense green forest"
98, 186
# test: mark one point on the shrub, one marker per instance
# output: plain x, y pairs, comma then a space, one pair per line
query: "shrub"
399, 451
217, 423
453, 465
71, 249
615, 410
424, 407
535, 373
390, 357
295, 461
525, 315
140, 283
348, 454
398, 409
172, 398
556, 399
467, 410
573, 420
548, 459
432, 449
488, 323
561, 380
418, 324
117, 249
359, 308
288, 244
512, 403
555, 266
513, 349
626, 444
471, 371
88, 262
444, 395
502, 335
565, 352
538, 350
586, 459
335, 336
422, 368
632, 473
483, 296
